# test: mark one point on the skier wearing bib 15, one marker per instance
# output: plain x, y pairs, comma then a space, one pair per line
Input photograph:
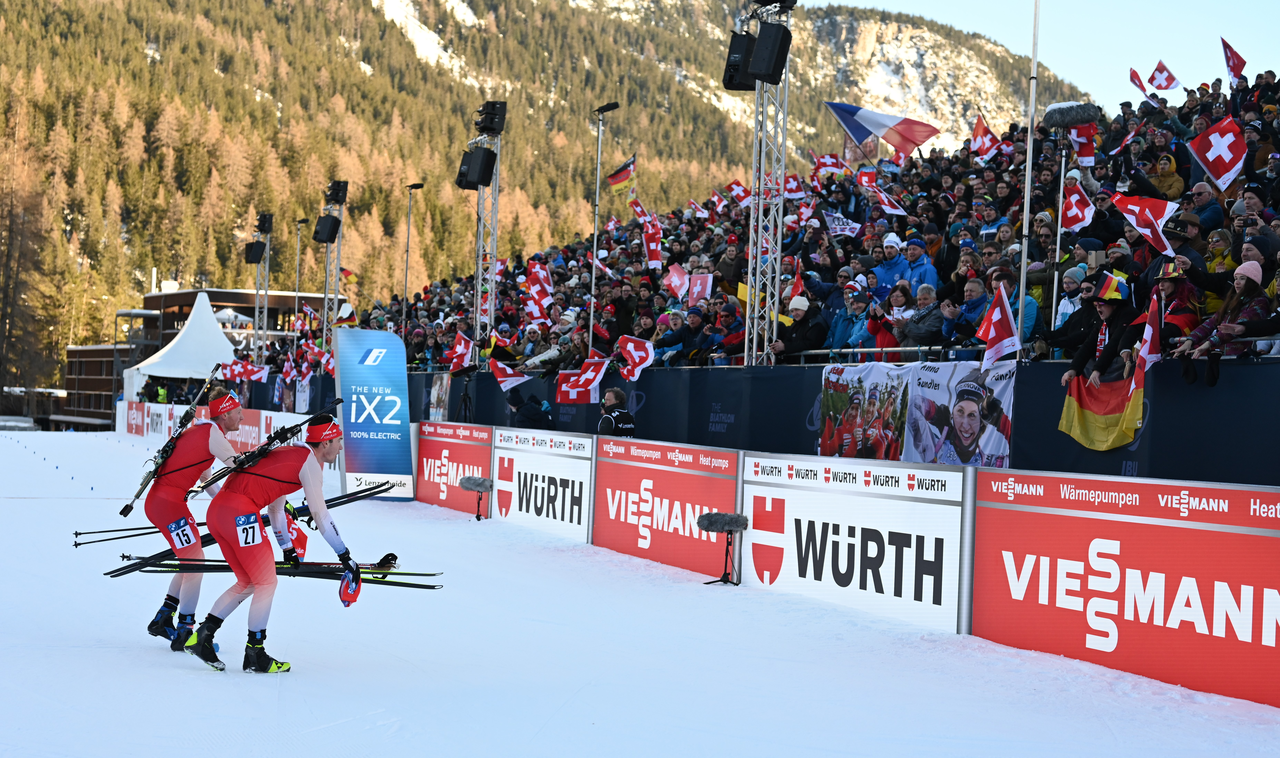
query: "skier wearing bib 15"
166, 507
235, 523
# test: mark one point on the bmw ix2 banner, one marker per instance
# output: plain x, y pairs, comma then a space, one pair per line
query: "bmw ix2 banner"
374, 387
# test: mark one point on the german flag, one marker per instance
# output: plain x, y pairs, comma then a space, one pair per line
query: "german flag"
346, 315
1107, 416
625, 177
348, 275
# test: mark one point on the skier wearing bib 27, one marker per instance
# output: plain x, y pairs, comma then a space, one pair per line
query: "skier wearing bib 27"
235, 523
166, 507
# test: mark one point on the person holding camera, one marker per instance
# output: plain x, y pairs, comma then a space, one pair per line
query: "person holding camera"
615, 421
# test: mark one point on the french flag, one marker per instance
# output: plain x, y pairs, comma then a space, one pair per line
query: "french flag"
903, 133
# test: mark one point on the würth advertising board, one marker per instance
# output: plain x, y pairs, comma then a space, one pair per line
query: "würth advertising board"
543, 480
448, 452
1171, 580
649, 495
880, 537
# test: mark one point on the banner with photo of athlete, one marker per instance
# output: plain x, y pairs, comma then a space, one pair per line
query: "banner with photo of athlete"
949, 413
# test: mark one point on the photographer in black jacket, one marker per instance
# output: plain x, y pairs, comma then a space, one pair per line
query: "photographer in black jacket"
615, 421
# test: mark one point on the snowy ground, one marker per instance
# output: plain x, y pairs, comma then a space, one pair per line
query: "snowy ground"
535, 647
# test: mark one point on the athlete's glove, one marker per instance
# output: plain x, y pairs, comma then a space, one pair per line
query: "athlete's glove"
349, 565
291, 558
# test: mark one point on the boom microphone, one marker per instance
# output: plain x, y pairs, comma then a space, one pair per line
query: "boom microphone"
476, 484
1069, 114
722, 522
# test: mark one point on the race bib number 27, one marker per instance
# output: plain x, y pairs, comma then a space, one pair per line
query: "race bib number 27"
182, 533
248, 530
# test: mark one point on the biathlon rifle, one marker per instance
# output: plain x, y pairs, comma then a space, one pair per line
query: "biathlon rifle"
245, 460
167, 450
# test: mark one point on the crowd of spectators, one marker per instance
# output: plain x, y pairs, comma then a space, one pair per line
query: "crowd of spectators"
917, 285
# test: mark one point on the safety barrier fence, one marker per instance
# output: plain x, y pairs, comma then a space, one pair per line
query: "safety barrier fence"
1177, 581
1174, 580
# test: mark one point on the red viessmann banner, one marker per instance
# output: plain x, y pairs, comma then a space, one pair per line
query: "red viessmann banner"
648, 496
1170, 580
448, 452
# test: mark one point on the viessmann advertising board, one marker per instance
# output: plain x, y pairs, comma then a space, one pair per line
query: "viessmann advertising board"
543, 480
448, 452
1175, 581
649, 495
880, 537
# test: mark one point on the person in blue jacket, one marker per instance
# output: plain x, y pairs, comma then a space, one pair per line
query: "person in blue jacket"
894, 267
830, 295
920, 269
842, 324
859, 335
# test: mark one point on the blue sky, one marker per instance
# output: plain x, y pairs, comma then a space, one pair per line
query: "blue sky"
1093, 44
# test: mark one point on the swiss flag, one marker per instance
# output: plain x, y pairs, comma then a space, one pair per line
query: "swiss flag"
677, 280
500, 341
653, 245
866, 177
1147, 215
613, 224
638, 209
290, 371
638, 353
459, 356
538, 284
534, 310
1235, 64
591, 374
983, 143
792, 189
698, 210
1162, 78
1082, 142
719, 201
507, 377
1136, 79
815, 182
699, 287
740, 194
304, 373
569, 393
1221, 151
326, 363
886, 201
900, 158
1077, 209
999, 330
806, 211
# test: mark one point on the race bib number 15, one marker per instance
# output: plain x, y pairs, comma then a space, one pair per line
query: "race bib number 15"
248, 530
181, 533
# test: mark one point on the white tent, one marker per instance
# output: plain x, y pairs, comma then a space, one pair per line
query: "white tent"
229, 316
190, 355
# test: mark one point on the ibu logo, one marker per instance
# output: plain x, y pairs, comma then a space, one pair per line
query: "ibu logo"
372, 356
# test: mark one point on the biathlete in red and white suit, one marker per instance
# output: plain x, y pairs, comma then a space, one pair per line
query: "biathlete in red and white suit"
166, 507
234, 521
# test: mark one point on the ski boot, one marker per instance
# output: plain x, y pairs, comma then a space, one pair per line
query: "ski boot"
201, 646
162, 624
256, 660
183, 631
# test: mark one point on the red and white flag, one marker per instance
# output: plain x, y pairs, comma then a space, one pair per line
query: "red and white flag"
233, 371
1077, 208
718, 200
983, 143
534, 310
639, 210
1220, 150
304, 373
999, 330
591, 374
500, 341
740, 194
698, 210
806, 211
603, 269
1235, 64
326, 363
699, 287
887, 202
638, 353
507, 377
815, 182
1081, 137
900, 159
1136, 79
569, 393
613, 224
290, 372
1147, 215
866, 177
653, 245
792, 188
459, 356
1162, 78
677, 280
1128, 138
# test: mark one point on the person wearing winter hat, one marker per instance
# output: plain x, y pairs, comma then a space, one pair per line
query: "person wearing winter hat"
894, 267
1246, 302
1110, 336
807, 331
920, 269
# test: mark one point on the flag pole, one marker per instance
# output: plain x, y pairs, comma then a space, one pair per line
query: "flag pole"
1063, 138
595, 233
1031, 134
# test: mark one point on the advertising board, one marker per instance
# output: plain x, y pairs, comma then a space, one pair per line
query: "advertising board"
448, 452
880, 537
374, 387
543, 480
